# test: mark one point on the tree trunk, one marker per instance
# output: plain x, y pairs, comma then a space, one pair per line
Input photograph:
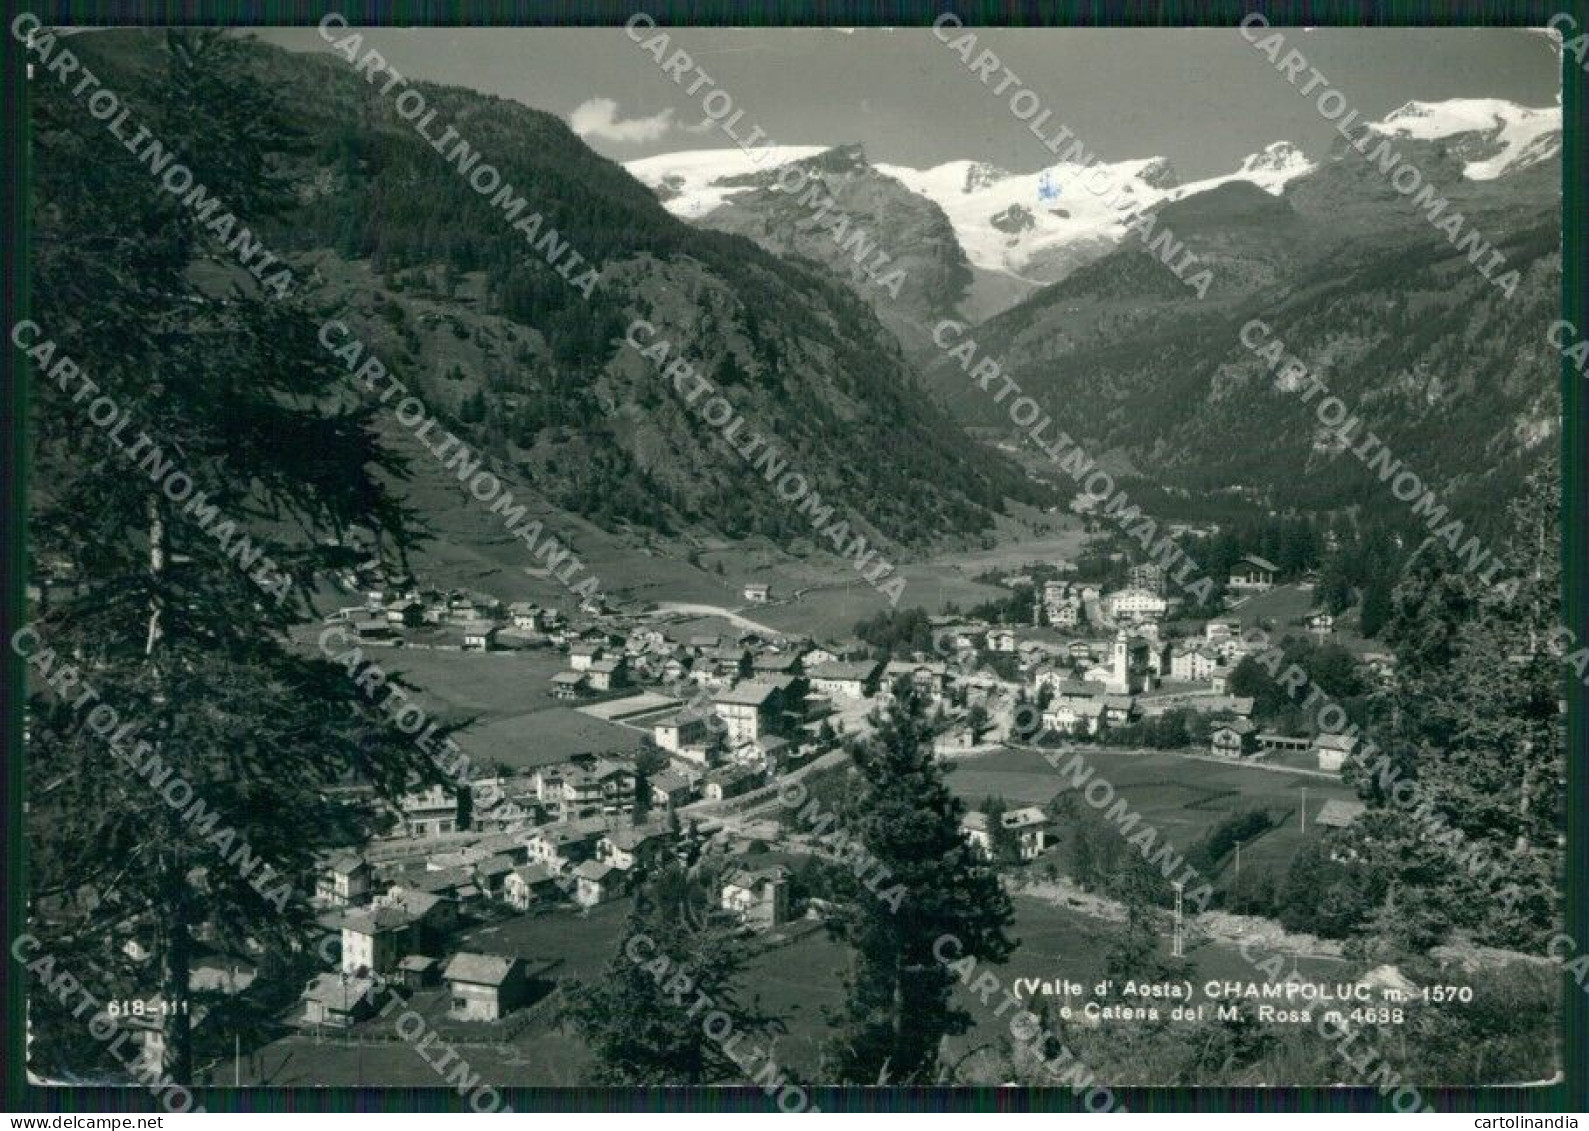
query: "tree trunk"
172, 913
175, 968
1521, 845
896, 1054
157, 568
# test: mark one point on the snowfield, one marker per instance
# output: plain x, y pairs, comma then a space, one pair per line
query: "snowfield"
1038, 227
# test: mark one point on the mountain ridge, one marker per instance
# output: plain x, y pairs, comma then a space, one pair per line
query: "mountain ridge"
546, 384
1021, 231
1360, 285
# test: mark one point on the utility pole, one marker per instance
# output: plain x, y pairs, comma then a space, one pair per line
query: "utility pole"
237, 1039
1304, 810
1178, 941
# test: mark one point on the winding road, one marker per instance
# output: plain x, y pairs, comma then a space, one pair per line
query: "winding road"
727, 614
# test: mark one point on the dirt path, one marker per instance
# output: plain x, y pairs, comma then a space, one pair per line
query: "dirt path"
1065, 893
727, 614
1269, 936
1213, 926
1182, 754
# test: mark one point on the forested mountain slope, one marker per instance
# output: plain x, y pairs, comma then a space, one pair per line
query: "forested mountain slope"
1450, 370
550, 387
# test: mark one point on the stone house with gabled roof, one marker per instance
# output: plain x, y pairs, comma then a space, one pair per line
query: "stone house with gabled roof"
484, 987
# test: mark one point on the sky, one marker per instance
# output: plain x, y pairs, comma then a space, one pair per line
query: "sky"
1204, 98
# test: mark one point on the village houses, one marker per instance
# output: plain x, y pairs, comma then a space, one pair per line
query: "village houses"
1253, 574
760, 897
484, 987
1235, 740
344, 881
856, 680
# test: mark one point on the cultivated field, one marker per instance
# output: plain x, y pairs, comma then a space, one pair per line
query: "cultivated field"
470, 684
508, 696
1182, 798
799, 984
839, 598
831, 613
543, 737
1284, 604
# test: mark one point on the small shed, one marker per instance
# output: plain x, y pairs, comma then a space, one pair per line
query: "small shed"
339, 1000
484, 987
417, 971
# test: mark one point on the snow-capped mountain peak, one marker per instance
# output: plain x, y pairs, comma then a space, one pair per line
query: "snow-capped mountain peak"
1508, 137
981, 175
1035, 227
1271, 169
1030, 229
1158, 173
693, 182
1277, 159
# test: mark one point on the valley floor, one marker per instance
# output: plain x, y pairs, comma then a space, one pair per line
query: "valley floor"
1065, 932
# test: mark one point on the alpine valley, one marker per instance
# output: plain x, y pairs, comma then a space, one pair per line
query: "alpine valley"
1379, 293
560, 590
831, 354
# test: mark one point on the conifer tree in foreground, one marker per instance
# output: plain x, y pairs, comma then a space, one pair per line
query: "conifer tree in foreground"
898, 1006
205, 826
1004, 847
1474, 720
643, 1019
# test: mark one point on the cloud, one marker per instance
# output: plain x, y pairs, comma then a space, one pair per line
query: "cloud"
598, 117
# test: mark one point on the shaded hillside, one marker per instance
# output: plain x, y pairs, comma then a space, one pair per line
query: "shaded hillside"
554, 391
872, 215
1452, 373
